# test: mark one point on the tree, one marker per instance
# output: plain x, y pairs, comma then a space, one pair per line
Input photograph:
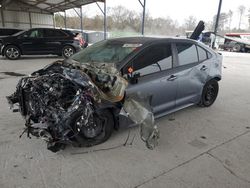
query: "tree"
190, 23
230, 16
241, 10
121, 18
222, 21
248, 17
59, 20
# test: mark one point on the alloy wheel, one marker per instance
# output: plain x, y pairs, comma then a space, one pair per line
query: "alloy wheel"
12, 53
68, 52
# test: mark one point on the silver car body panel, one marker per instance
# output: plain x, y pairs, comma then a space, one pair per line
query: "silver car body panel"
186, 89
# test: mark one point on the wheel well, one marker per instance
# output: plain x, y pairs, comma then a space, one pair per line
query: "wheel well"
10, 45
69, 45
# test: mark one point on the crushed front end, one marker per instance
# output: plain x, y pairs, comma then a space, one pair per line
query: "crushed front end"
69, 103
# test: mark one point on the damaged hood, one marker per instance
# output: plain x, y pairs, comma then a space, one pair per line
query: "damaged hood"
104, 79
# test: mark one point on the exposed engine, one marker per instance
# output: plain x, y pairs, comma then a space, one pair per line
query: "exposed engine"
67, 104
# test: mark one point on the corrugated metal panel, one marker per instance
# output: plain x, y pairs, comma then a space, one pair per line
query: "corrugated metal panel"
17, 25
94, 37
1, 23
0, 17
41, 19
19, 19
38, 26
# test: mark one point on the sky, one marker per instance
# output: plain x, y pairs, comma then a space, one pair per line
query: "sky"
179, 9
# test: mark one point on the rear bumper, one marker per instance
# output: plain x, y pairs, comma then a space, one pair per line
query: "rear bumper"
78, 48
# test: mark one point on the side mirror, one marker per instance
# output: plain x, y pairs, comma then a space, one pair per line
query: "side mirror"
133, 77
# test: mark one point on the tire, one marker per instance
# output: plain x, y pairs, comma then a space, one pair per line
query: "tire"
68, 51
103, 120
12, 52
237, 48
209, 93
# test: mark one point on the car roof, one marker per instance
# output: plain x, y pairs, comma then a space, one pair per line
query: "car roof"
147, 40
64, 30
49, 28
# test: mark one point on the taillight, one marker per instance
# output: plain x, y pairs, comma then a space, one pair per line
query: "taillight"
80, 40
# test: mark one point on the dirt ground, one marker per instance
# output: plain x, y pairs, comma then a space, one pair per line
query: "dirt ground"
198, 147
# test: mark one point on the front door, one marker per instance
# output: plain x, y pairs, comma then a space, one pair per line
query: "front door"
154, 66
32, 42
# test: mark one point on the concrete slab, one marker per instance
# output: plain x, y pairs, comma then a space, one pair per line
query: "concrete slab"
204, 171
187, 137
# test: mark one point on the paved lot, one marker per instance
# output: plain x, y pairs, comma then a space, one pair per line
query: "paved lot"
198, 147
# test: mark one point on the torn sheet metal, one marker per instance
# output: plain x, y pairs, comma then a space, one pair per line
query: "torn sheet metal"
139, 111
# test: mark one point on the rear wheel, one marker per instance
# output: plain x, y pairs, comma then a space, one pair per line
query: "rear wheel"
209, 93
12, 52
68, 51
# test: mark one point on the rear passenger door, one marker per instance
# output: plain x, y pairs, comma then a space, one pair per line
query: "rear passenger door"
191, 72
53, 40
154, 64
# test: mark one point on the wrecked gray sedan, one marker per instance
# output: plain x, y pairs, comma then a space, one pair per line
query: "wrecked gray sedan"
81, 100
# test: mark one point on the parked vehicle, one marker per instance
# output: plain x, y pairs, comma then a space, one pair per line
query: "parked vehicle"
40, 41
79, 100
231, 46
8, 31
236, 42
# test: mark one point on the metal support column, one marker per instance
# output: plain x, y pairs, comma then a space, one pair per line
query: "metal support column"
2, 16
104, 11
81, 19
80, 16
143, 15
65, 16
105, 20
54, 21
30, 20
217, 22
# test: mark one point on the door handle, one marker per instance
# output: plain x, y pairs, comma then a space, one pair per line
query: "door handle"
203, 68
172, 78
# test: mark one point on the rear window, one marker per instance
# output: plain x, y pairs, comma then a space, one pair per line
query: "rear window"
187, 53
202, 54
54, 33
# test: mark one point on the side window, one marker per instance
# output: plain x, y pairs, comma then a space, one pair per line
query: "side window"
35, 34
154, 59
187, 53
54, 33
202, 54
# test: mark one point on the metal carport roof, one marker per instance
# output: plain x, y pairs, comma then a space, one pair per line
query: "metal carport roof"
50, 6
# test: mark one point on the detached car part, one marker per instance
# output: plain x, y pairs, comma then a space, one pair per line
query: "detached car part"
198, 30
72, 103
